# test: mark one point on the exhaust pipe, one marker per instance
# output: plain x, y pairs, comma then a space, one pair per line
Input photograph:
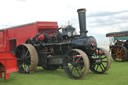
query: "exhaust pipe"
82, 22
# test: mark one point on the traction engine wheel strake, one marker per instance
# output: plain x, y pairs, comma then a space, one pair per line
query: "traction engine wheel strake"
76, 64
27, 58
119, 53
100, 62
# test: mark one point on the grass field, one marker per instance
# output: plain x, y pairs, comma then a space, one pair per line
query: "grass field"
117, 75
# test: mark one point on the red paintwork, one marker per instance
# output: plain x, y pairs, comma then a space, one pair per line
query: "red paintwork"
41, 37
99, 52
93, 42
77, 56
10, 38
9, 64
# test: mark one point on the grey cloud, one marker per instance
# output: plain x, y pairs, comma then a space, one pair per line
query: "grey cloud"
100, 19
109, 22
101, 14
107, 18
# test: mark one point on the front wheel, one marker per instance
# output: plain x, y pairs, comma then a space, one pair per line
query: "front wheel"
119, 53
100, 62
76, 64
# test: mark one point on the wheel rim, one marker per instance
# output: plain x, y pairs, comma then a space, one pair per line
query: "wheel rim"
119, 53
26, 58
76, 64
101, 61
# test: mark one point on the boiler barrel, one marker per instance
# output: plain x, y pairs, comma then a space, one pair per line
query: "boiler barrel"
82, 22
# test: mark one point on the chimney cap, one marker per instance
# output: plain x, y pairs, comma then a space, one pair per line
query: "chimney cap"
81, 10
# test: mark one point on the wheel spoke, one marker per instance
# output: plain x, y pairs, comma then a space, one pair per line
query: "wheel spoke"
93, 66
70, 59
101, 68
27, 57
78, 71
26, 68
23, 52
80, 67
72, 69
26, 53
104, 57
74, 57
103, 65
105, 61
97, 67
20, 66
19, 59
78, 59
27, 61
121, 49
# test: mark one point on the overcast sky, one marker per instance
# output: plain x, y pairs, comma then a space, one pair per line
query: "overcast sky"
103, 16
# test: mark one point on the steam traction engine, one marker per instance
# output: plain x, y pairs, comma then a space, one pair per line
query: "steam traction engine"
76, 54
119, 45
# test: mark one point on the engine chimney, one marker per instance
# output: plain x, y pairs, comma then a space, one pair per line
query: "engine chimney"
82, 22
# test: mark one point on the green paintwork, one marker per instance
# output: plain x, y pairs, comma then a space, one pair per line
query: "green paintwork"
121, 38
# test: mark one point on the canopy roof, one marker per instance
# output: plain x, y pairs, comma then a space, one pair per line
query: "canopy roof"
117, 34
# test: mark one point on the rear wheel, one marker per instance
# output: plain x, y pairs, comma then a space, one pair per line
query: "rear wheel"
27, 58
119, 53
100, 62
76, 64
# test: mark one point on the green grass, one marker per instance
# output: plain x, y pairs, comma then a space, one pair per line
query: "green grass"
117, 75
